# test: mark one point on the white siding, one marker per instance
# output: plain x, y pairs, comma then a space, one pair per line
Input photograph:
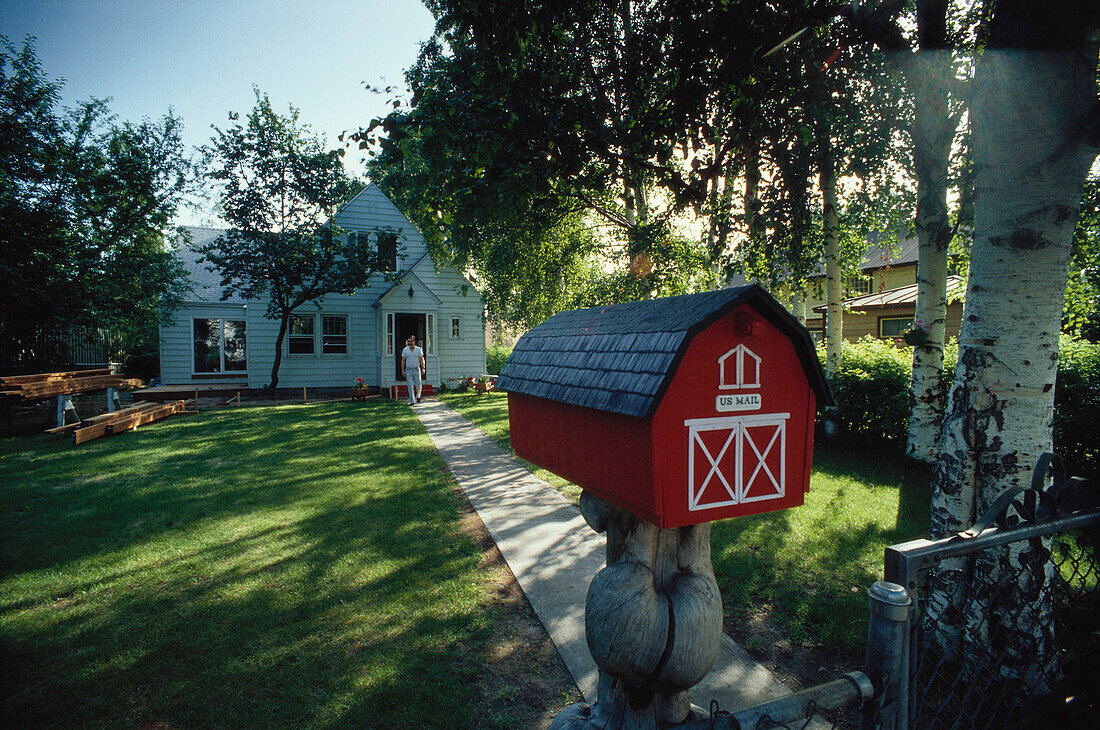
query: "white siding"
366, 318
466, 355
371, 209
176, 355
317, 370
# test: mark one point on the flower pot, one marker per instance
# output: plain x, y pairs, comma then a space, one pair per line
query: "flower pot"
915, 337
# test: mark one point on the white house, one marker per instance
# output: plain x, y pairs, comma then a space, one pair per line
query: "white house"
344, 337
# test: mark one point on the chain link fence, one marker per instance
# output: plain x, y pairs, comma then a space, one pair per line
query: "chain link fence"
1006, 631
990, 659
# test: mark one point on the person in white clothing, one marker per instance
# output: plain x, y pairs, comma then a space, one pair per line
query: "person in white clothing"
413, 368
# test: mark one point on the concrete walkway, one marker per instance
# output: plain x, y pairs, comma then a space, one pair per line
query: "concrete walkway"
553, 553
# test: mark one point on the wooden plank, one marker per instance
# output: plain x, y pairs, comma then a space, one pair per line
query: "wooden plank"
141, 406
88, 433
144, 405
94, 382
47, 377
126, 422
67, 428
78, 385
143, 418
61, 387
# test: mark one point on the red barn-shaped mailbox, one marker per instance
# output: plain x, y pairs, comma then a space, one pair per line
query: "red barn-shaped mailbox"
680, 410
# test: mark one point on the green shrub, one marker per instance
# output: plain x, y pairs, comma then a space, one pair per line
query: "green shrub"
872, 396
872, 392
1077, 407
495, 357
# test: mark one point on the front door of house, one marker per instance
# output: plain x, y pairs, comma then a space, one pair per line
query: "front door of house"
406, 324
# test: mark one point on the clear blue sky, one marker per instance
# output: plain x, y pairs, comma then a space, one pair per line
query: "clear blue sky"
202, 57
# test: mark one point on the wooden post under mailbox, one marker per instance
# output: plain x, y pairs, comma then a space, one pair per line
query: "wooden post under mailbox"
670, 414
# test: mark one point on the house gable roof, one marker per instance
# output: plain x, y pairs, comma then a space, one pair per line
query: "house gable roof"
205, 284
881, 254
372, 199
621, 358
408, 278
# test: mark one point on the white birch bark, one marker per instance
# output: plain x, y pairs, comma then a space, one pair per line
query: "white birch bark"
929, 75
1030, 172
798, 307
1029, 114
834, 292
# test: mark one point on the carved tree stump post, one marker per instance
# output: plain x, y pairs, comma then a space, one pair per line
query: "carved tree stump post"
653, 621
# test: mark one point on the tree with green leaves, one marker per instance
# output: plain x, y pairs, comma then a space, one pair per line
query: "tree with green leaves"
85, 205
279, 185
1081, 311
525, 115
933, 51
824, 173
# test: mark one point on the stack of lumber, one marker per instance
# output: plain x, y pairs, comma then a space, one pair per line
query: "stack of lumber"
119, 421
47, 385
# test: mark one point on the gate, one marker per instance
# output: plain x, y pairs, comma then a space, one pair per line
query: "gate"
1006, 632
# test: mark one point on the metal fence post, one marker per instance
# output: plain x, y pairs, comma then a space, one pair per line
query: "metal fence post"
887, 641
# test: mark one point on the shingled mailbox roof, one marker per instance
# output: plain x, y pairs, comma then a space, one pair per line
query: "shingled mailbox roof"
621, 358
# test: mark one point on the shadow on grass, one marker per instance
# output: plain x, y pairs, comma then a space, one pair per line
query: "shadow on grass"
808, 568
289, 566
123, 490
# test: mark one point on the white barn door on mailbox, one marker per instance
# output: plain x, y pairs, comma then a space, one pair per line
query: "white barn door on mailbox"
736, 459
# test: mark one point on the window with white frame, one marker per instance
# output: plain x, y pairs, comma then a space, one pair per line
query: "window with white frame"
218, 345
300, 339
389, 334
456, 328
334, 334
429, 335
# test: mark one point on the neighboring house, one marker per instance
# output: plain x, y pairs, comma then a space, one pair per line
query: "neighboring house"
882, 299
341, 338
887, 315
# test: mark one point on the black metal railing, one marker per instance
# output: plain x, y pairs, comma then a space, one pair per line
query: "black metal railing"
1005, 631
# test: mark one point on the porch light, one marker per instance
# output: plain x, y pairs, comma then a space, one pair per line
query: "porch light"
410, 292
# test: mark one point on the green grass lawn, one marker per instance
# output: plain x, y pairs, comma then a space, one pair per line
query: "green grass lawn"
291, 566
808, 568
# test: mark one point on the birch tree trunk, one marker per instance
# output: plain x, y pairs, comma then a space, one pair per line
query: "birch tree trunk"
1031, 158
929, 74
1033, 114
834, 292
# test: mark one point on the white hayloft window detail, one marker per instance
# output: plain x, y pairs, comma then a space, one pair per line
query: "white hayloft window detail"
739, 368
